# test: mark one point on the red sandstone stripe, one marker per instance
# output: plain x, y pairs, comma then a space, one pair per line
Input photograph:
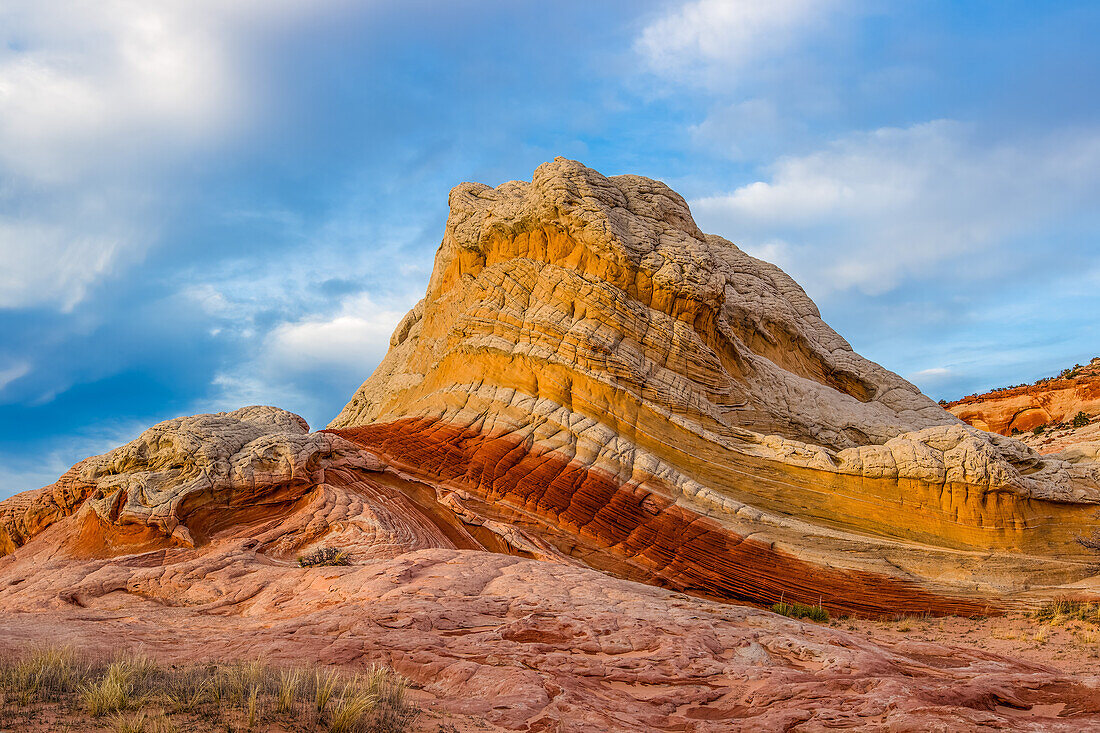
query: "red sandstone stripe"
673, 546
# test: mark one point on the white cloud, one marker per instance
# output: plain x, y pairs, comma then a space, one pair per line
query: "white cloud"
931, 373
713, 40
308, 364
97, 101
874, 209
12, 373
79, 80
52, 262
354, 339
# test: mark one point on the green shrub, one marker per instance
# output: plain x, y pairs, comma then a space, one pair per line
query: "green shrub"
801, 610
1038, 429
1080, 420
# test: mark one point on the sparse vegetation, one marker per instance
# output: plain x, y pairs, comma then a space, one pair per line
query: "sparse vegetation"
1038, 429
1071, 373
324, 556
56, 689
1080, 420
800, 610
1062, 610
111, 694
905, 624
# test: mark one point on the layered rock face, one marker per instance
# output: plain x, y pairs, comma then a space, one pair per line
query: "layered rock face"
257, 470
1050, 404
183, 548
659, 403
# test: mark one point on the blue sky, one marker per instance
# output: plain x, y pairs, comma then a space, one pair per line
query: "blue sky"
211, 203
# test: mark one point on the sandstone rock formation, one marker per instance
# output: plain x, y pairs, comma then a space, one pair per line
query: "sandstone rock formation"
184, 480
1049, 404
590, 388
661, 404
184, 546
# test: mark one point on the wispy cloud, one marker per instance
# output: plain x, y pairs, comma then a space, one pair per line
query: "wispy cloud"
711, 41
875, 209
354, 339
11, 373
309, 365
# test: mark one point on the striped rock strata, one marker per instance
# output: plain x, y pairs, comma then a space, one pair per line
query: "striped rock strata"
655, 401
181, 544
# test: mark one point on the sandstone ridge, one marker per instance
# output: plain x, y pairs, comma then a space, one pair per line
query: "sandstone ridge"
591, 394
586, 358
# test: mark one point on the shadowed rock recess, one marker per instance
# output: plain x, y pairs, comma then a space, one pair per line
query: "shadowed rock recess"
590, 388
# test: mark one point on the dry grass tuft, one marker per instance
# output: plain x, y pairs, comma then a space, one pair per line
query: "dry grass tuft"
905, 624
324, 684
128, 724
1063, 610
290, 683
816, 613
111, 694
132, 694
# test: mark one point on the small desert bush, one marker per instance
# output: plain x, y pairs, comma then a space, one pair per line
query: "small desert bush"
1061, 610
801, 610
1080, 420
112, 693
324, 556
134, 695
1038, 429
905, 623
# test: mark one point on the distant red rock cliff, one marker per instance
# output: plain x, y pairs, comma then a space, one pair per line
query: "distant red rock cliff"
1050, 404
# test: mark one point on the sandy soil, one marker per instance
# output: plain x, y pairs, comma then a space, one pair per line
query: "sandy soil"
1071, 647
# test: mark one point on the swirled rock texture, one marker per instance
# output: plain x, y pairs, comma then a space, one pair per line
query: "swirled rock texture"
659, 403
258, 470
182, 544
